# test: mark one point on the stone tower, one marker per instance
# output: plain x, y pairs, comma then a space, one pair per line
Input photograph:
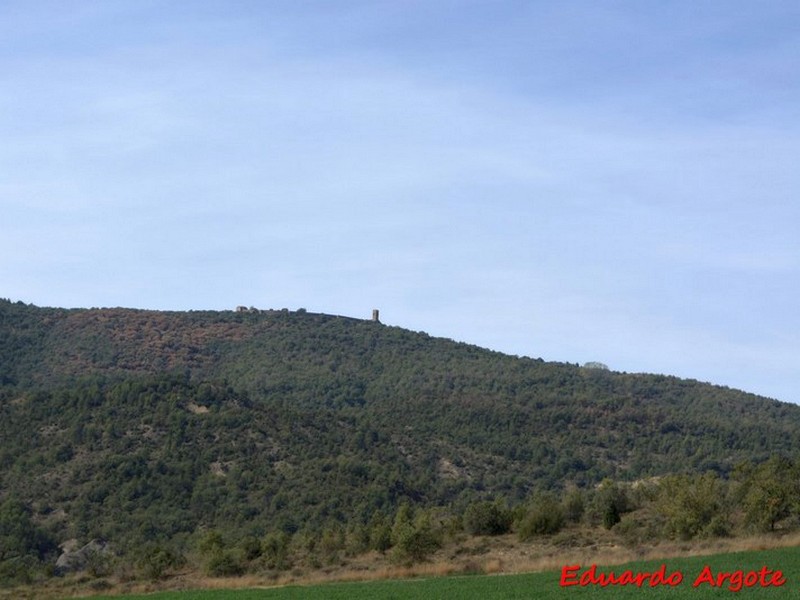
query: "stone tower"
375, 315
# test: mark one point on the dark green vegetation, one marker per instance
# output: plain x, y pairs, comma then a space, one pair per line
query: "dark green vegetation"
254, 438
541, 585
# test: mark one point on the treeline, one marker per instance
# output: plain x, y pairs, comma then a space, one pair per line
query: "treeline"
758, 498
762, 497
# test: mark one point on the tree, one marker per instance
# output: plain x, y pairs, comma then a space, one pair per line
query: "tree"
23, 545
275, 550
413, 540
574, 505
609, 503
219, 560
487, 518
380, 533
19, 536
545, 516
770, 492
693, 505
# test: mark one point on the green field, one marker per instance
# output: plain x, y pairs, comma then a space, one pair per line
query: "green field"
537, 585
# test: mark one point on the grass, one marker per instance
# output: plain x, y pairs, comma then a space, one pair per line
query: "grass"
544, 585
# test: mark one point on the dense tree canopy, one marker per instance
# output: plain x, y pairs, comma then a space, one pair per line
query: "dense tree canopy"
140, 426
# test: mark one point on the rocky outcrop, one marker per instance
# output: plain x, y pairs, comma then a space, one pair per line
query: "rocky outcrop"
72, 560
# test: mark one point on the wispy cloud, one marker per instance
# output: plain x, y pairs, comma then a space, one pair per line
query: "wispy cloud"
575, 181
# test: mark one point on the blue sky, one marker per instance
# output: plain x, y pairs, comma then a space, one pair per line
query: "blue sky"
608, 181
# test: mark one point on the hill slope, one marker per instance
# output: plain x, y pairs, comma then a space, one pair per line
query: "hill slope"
117, 420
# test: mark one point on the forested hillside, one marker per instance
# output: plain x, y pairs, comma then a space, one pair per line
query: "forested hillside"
142, 426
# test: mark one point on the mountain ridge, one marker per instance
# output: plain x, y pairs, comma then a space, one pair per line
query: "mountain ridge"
242, 315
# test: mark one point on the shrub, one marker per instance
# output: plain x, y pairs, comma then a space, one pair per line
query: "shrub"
380, 537
611, 516
638, 529
416, 544
544, 517
19, 570
155, 560
251, 547
609, 503
275, 550
225, 563
331, 543
574, 505
413, 541
487, 518
210, 542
